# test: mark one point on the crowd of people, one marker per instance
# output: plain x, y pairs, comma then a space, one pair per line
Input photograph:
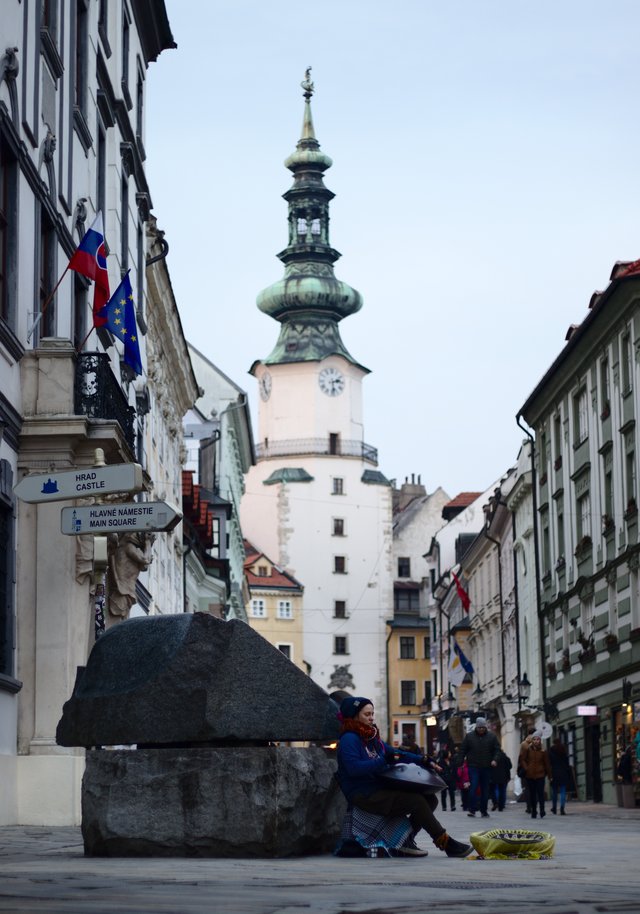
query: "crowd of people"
389, 813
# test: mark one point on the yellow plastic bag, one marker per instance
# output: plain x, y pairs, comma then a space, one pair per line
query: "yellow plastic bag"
516, 843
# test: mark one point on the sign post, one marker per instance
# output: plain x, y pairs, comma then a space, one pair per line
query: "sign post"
135, 516
81, 483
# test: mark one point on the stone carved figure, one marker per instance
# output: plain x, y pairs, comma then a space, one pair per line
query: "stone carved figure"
129, 554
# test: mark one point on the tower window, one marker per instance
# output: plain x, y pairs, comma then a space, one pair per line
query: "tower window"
334, 443
315, 227
404, 567
337, 485
340, 564
340, 644
302, 226
338, 526
340, 609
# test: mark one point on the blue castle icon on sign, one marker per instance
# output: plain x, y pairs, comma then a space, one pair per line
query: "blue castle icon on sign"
49, 487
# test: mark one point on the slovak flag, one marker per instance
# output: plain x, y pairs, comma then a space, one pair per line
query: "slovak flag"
90, 260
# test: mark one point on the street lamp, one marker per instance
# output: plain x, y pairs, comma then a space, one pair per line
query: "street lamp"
524, 689
478, 692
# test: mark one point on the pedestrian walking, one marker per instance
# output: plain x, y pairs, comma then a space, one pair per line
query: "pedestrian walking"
526, 742
480, 749
362, 756
535, 762
500, 777
560, 776
448, 775
463, 784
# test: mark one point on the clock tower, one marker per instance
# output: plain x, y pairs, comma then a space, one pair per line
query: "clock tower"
315, 500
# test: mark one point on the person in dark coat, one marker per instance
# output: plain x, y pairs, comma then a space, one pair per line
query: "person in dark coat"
625, 766
500, 777
448, 775
363, 756
560, 776
480, 749
537, 767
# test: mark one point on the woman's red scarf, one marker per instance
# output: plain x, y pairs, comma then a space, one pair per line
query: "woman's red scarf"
366, 732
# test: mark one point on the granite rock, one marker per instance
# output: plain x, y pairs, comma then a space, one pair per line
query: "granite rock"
192, 679
227, 802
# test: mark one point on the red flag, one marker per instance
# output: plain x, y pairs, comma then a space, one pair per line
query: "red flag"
462, 593
90, 260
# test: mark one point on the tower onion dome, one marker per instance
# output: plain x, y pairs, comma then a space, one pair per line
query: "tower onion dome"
308, 301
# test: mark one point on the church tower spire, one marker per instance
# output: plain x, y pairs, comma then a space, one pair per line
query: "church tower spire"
309, 301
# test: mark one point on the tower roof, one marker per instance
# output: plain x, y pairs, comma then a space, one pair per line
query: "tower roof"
309, 300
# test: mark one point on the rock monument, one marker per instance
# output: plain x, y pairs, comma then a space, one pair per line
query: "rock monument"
183, 718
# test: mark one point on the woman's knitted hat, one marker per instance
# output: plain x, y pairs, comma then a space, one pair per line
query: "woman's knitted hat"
351, 706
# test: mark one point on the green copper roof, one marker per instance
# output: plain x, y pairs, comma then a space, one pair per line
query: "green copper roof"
374, 478
309, 301
288, 474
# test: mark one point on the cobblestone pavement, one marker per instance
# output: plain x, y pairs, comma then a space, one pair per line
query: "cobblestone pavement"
596, 868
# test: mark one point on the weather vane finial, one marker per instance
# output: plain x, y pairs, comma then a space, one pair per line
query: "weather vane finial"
307, 84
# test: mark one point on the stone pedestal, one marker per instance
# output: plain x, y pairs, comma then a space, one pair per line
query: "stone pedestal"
210, 802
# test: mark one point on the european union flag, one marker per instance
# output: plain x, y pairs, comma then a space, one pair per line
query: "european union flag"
120, 317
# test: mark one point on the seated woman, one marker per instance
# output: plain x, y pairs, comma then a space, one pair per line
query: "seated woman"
362, 756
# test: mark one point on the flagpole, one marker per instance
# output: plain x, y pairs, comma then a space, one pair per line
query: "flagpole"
80, 347
44, 307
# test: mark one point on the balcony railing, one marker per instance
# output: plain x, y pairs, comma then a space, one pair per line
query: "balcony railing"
99, 396
299, 447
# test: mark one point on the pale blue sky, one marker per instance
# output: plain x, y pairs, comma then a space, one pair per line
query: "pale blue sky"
486, 172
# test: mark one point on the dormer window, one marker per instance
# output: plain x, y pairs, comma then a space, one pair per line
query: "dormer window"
263, 571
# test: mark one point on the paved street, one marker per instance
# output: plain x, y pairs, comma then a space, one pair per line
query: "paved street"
596, 868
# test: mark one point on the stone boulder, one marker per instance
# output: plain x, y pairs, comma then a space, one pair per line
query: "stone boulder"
227, 802
192, 679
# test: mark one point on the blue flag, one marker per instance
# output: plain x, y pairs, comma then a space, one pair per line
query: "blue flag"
120, 316
466, 664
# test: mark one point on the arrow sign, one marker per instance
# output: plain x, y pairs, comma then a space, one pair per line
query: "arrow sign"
118, 477
143, 515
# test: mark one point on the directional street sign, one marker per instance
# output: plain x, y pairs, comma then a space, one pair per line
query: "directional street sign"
143, 515
118, 477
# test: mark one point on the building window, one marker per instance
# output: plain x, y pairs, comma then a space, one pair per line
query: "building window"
340, 644
426, 648
334, 443
340, 564
406, 601
339, 609
407, 691
583, 516
284, 609
338, 526
604, 387
560, 531
546, 542
404, 567
8, 233
82, 69
557, 440
407, 647
124, 223
630, 475
287, 650
258, 609
626, 363
337, 485
125, 55
580, 417
47, 305
79, 312
427, 692
7, 557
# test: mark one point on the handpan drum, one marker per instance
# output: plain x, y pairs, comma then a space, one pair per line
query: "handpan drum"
414, 776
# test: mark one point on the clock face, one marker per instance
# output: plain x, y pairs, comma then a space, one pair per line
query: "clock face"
265, 385
331, 381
